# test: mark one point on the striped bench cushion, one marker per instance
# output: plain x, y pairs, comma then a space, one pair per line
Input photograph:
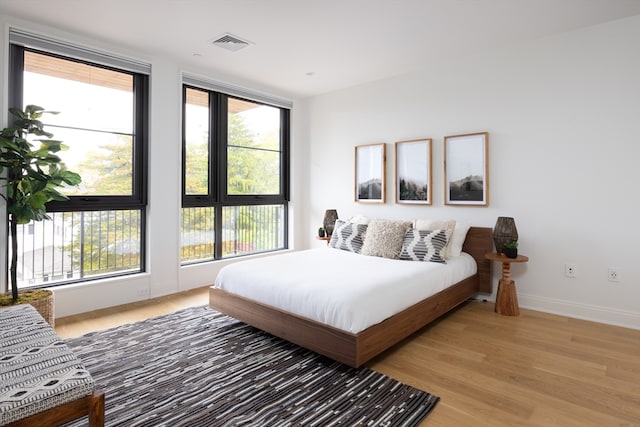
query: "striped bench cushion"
38, 371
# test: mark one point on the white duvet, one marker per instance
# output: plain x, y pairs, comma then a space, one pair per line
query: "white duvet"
340, 288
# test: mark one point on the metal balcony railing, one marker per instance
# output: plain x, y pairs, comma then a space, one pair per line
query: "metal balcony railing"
77, 246
245, 230
74, 246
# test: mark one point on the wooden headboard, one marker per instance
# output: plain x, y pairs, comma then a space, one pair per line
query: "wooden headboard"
479, 241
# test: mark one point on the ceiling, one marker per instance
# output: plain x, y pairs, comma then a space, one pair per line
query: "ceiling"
301, 48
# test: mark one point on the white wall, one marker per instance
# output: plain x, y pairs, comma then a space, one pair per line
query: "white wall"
164, 275
563, 115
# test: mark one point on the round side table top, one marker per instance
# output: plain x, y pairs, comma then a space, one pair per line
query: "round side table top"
494, 256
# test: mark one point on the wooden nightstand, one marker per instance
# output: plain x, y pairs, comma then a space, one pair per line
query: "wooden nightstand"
325, 238
507, 298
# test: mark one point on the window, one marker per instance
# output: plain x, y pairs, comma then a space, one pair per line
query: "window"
99, 231
235, 176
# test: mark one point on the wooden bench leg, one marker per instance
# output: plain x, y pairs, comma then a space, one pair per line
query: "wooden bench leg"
96, 410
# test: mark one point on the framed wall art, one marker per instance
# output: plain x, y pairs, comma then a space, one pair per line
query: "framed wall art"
370, 173
466, 169
413, 171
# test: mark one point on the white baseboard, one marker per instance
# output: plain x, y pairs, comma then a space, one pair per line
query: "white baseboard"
627, 319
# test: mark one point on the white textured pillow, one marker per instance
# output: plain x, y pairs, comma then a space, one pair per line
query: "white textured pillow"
348, 236
384, 238
457, 239
429, 224
359, 219
424, 245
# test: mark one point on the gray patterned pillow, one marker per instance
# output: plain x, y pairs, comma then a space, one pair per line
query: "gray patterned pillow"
448, 225
384, 238
348, 236
424, 245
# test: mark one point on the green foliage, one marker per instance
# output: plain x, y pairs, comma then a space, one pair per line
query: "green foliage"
110, 168
511, 245
252, 165
32, 175
110, 241
196, 169
195, 252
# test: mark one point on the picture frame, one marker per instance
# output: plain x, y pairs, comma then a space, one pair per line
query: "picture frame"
370, 180
466, 169
413, 171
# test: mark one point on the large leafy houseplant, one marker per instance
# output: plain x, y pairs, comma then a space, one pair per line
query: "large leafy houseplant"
32, 175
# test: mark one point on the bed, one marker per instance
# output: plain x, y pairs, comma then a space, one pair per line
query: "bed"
328, 329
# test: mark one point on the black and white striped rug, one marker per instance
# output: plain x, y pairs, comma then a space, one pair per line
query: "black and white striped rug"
197, 367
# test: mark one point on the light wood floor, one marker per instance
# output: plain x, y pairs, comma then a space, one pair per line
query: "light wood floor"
74, 326
489, 370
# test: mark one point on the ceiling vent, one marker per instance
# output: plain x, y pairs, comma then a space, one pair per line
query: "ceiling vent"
230, 42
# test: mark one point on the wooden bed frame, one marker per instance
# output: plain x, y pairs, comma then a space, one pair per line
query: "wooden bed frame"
356, 349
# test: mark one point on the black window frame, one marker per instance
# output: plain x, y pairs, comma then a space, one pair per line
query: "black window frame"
139, 194
217, 197
138, 199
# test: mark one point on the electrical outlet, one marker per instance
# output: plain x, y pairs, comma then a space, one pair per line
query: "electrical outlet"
142, 292
614, 274
570, 270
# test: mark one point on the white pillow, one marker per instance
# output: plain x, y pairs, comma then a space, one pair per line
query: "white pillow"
359, 219
447, 225
457, 239
384, 238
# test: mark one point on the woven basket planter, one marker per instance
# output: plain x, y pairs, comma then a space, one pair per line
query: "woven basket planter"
44, 304
504, 232
45, 307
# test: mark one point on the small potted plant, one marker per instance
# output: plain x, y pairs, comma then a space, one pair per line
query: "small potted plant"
321, 232
511, 249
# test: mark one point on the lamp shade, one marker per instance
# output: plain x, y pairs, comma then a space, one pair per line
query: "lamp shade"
504, 232
329, 222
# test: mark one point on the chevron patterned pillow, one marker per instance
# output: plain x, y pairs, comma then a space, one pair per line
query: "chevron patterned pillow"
424, 245
348, 236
